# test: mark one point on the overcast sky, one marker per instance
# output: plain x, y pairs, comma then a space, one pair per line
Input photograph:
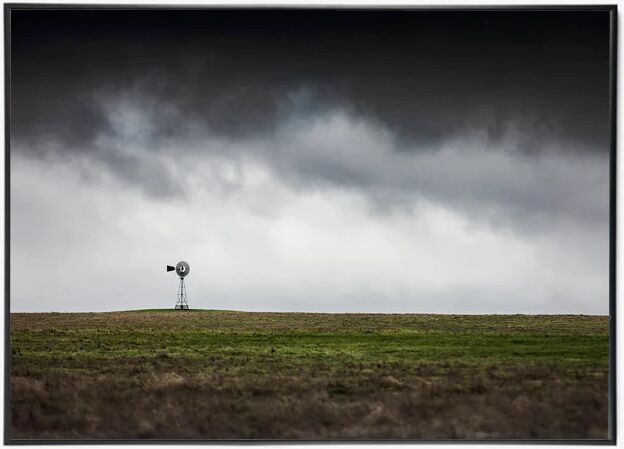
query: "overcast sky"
333, 161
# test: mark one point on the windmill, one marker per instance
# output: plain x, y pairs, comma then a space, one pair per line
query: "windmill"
182, 269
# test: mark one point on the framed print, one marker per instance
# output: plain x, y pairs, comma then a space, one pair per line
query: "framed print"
330, 224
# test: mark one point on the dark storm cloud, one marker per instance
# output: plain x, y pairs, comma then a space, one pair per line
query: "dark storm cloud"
425, 75
122, 87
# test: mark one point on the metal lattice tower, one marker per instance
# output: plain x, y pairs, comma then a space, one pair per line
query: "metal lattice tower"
182, 303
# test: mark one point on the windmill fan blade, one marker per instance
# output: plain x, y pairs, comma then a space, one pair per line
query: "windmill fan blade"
170, 268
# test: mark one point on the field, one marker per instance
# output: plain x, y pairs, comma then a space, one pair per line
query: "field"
223, 374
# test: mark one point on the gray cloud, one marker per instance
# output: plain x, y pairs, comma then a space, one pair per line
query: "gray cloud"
494, 184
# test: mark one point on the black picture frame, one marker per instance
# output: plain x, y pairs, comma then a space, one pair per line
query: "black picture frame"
610, 8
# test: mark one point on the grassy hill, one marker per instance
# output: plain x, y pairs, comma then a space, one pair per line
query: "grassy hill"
227, 374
